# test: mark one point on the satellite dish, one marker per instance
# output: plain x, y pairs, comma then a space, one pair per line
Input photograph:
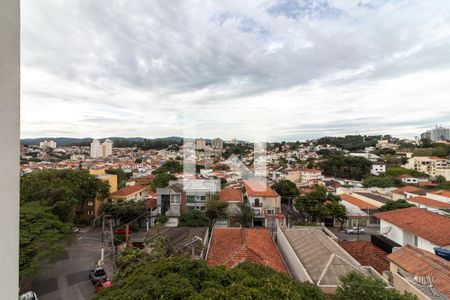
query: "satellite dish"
385, 230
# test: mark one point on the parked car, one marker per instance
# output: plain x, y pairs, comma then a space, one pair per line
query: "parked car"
102, 284
97, 274
355, 230
28, 296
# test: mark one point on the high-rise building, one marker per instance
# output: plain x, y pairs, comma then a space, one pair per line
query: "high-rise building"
217, 143
47, 144
200, 144
101, 149
437, 134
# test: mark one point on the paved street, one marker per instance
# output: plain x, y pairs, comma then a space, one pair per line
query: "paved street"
353, 237
67, 278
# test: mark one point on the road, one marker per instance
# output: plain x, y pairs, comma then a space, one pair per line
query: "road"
67, 278
342, 236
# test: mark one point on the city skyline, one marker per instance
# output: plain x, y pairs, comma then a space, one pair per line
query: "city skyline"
288, 70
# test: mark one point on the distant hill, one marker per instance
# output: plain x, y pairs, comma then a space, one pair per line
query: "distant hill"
67, 141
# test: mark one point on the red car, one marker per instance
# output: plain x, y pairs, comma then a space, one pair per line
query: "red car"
102, 284
121, 231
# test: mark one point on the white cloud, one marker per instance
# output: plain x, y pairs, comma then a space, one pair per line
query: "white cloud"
284, 69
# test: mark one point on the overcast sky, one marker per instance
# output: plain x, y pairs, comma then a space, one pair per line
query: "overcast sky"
279, 70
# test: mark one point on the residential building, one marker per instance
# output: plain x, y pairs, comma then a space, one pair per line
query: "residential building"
378, 168
407, 192
376, 199
437, 134
311, 176
431, 165
101, 149
414, 226
217, 143
200, 144
368, 156
420, 272
47, 144
130, 193
291, 174
443, 196
358, 211
234, 199
231, 246
408, 179
311, 255
265, 203
428, 204
367, 254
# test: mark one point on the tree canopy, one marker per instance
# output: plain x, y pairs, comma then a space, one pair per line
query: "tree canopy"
140, 276
357, 286
286, 189
380, 181
161, 181
124, 211
216, 209
171, 166
347, 167
350, 142
193, 218
393, 205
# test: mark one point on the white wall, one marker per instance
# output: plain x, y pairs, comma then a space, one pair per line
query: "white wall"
9, 150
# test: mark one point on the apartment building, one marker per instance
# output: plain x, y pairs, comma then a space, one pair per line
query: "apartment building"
47, 144
311, 176
431, 165
101, 149
265, 204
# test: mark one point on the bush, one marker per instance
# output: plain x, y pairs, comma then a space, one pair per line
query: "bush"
194, 218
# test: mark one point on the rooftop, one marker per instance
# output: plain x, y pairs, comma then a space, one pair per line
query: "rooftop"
230, 195
127, 191
373, 197
429, 202
367, 254
430, 226
357, 202
408, 189
231, 246
442, 193
256, 188
422, 263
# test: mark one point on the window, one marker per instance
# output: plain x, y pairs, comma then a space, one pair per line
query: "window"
202, 198
90, 212
416, 240
270, 211
90, 203
175, 199
190, 199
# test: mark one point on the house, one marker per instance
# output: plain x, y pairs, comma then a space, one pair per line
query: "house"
358, 211
427, 203
311, 176
378, 168
311, 255
443, 196
265, 204
130, 193
369, 156
291, 174
417, 227
231, 246
367, 254
408, 179
234, 199
406, 191
420, 272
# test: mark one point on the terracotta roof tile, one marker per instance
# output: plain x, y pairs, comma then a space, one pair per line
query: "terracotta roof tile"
257, 189
358, 202
367, 254
407, 189
442, 193
430, 226
429, 202
419, 262
230, 195
231, 246
129, 190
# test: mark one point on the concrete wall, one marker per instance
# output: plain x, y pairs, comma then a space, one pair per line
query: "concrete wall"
403, 285
9, 150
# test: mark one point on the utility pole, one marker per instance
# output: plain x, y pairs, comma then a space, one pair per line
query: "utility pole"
112, 245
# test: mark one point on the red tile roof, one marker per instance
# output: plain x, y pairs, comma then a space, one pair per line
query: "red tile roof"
429, 202
127, 191
430, 226
442, 193
367, 254
255, 188
358, 202
231, 246
419, 262
230, 195
407, 189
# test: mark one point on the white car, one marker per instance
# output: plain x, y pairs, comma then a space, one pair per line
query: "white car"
355, 230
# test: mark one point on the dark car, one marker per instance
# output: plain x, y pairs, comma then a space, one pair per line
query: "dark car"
97, 274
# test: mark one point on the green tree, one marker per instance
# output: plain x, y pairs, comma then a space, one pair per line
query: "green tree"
286, 189
379, 181
124, 211
439, 179
171, 166
319, 204
41, 236
161, 181
347, 167
182, 278
357, 286
193, 218
216, 209
393, 205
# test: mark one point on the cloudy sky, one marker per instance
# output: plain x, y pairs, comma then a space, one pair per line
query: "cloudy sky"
282, 70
